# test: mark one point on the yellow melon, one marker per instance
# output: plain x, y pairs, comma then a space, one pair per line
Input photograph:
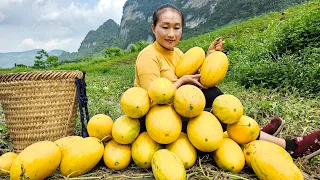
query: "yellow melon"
117, 156
6, 161
190, 62
183, 148
227, 108
161, 91
65, 142
125, 129
81, 156
259, 145
270, 165
229, 156
100, 126
189, 101
135, 102
37, 161
143, 149
163, 124
167, 165
244, 131
214, 69
205, 132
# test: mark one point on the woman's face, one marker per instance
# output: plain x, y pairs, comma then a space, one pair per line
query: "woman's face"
168, 29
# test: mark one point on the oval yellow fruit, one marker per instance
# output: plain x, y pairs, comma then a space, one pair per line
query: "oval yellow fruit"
244, 131
135, 102
6, 161
167, 165
229, 156
270, 165
161, 91
189, 101
100, 126
81, 157
205, 132
38, 161
163, 124
259, 145
214, 69
117, 156
65, 142
183, 148
125, 129
227, 108
190, 62
143, 149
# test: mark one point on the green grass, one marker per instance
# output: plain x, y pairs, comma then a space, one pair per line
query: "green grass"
300, 113
269, 53
105, 89
97, 64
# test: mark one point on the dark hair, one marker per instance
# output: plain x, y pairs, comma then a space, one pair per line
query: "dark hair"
160, 10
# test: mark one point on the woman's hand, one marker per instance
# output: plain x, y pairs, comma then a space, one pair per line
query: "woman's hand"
189, 79
216, 45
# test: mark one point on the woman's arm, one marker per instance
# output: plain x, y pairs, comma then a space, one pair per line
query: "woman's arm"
189, 79
216, 45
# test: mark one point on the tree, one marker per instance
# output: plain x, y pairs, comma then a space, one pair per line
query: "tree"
40, 61
138, 46
19, 65
52, 61
112, 52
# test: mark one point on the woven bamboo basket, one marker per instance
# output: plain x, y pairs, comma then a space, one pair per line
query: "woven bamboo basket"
38, 105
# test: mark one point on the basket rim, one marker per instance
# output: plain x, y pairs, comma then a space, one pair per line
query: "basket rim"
41, 75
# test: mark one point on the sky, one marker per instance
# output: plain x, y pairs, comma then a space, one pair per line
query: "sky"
52, 24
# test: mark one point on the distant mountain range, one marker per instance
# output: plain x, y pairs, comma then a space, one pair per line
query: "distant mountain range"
201, 16
7, 60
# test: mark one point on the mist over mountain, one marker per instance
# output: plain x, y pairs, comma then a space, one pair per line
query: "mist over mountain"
7, 60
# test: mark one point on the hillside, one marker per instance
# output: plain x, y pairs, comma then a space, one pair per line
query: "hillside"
201, 16
107, 35
7, 60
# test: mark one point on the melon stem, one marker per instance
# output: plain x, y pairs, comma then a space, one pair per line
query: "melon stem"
108, 136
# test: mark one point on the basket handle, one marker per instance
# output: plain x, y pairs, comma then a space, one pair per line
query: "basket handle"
83, 104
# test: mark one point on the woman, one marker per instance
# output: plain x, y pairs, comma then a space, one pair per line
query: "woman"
160, 59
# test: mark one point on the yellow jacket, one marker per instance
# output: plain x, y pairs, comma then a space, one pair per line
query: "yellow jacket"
153, 62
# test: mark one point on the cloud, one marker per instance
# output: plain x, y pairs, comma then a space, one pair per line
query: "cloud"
8, 3
48, 45
27, 42
105, 5
77, 13
1, 17
54, 22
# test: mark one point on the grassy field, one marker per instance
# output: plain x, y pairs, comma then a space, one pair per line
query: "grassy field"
301, 115
249, 45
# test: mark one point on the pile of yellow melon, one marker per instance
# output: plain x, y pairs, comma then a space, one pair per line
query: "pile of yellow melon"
163, 147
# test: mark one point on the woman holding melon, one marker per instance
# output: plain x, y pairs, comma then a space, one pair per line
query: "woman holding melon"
161, 58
